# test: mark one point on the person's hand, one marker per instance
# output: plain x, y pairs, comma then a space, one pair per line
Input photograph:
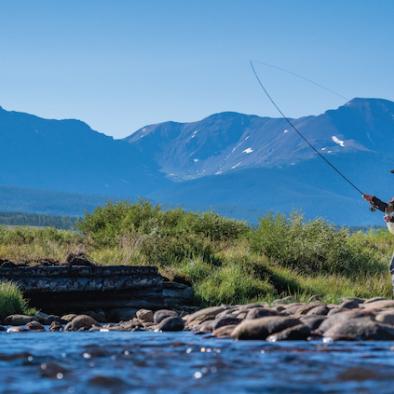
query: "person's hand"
367, 197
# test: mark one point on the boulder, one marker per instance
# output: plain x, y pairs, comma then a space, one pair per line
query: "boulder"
224, 331
299, 332
256, 313
172, 323
18, 320
360, 329
337, 309
293, 308
305, 308
313, 322
331, 320
55, 326
163, 314
385, 317
45, 319
378, 305
204, 314
232, 311
204, 327
263, 327
69, 317
35, 326
225, 321
145, 315
80, 322
319, 310
241, 314
351, 303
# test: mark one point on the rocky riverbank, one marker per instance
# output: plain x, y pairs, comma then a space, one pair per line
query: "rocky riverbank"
353, 319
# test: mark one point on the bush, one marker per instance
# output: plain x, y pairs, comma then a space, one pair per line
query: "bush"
11, 300
232, 284
312, 247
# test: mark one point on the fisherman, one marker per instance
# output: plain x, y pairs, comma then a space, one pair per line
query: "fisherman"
388, 209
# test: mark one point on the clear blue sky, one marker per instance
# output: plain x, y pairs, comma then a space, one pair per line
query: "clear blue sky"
119, 65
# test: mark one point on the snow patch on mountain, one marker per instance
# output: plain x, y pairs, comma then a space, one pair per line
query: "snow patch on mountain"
338, 141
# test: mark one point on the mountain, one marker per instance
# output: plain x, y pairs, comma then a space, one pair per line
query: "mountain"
229, 141
68, 156
245, 165
239, 165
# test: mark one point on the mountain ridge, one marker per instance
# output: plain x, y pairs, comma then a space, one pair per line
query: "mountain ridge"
247, 141
237, 164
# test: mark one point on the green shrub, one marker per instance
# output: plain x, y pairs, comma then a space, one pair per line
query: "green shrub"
11, 300
231, 284
312, 247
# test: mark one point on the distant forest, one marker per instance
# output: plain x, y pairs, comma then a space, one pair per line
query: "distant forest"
38, 220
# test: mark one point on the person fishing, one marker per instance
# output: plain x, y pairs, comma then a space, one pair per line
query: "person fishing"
376, 203
388, 210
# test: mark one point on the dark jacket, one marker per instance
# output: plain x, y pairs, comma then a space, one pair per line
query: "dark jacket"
387, 208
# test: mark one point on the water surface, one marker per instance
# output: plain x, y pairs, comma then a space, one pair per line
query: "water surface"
147, 362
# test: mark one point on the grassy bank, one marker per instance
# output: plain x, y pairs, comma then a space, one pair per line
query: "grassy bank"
225, 260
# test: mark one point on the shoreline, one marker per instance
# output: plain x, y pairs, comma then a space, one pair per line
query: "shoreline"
353, 319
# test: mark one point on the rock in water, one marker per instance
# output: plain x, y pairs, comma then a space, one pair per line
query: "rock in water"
171, 324
163, 314
69, 317
224, 331
35, 326
263, 327
360, 329
204, 315
342, 317
145, 316
296, 333
80, 322
18, 320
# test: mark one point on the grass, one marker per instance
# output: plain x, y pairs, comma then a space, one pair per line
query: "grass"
226, 261
11, 300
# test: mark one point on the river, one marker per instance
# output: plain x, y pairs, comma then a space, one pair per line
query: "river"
148, 362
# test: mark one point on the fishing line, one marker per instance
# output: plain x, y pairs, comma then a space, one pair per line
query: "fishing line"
311, 81
328, 162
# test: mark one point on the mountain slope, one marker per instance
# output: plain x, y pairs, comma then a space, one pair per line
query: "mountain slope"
67, 155
309, 187
230, 141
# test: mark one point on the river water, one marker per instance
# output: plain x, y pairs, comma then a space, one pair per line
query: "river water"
148, 362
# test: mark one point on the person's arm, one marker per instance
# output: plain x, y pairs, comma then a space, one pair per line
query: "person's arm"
376, 202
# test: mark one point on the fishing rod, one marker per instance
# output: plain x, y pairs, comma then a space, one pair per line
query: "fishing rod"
292, 125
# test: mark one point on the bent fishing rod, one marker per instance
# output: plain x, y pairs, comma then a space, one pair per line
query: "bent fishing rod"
293, 126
